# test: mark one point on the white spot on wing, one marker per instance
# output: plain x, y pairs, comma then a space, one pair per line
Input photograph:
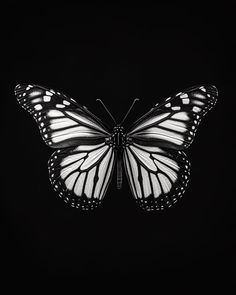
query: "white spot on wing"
66, 102
38, 107
196, 109
176, 108
46, 98
185, 101
185, 95
60, 106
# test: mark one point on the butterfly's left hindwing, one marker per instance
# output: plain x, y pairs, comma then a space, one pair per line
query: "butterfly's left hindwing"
81, 175
61, 120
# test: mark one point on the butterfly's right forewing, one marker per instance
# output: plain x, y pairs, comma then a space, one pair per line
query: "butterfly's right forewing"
61, 120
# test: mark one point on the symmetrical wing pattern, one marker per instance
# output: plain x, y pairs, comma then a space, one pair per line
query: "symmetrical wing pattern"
158, 178
173, 123
61, 120
156, 166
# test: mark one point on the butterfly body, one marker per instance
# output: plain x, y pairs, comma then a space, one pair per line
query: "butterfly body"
151, 150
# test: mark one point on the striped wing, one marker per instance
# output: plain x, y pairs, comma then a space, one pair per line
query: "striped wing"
61, 120
173, 123
82, 174
157, 178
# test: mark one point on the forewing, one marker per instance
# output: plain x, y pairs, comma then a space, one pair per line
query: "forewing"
173, 123
82, 174
61, 120
157, 177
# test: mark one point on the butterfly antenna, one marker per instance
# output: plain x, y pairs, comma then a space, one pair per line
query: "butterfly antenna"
136, 99
109, 113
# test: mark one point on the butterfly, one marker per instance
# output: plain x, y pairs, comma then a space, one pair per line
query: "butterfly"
151, 150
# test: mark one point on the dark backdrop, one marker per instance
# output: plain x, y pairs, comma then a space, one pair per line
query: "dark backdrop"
118, 53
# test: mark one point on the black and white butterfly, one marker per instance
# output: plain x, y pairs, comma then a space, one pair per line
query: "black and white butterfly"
151, 150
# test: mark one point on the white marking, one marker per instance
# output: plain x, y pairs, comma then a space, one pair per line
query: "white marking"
174, 125
150, 122
156, 186
135, 173
86, 121
49, 93
36, 100
174, 165
150, 148
38, 107
168, 105
181, 116
46, 98
177, 108
102, 170
155, 132
79, 184
185, 95
196, 109
24, 94
61, 123
35, 93
172, 174
72, 158
198, 102
166, 184
72, 132
60, 106
144, 157
168, 98
66, 102
203, 88
129, 175
146, 183
71, 180
88, 147
67, 170
89, 183
179, 93
107, 178
42, 124
54, 113
93, 157
185, 101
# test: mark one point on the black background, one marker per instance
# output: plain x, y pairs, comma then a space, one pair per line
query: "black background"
117, 53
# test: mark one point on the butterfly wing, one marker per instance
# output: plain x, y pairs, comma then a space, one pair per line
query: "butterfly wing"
81, 175
173, 123
61, 120
157, 177
156, 167
81, 171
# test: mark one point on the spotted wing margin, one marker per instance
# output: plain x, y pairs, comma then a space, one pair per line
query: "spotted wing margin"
81, 175
61, 120
157, 177
174, 122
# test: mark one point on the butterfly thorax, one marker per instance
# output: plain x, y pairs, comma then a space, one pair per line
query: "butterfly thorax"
118, 138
